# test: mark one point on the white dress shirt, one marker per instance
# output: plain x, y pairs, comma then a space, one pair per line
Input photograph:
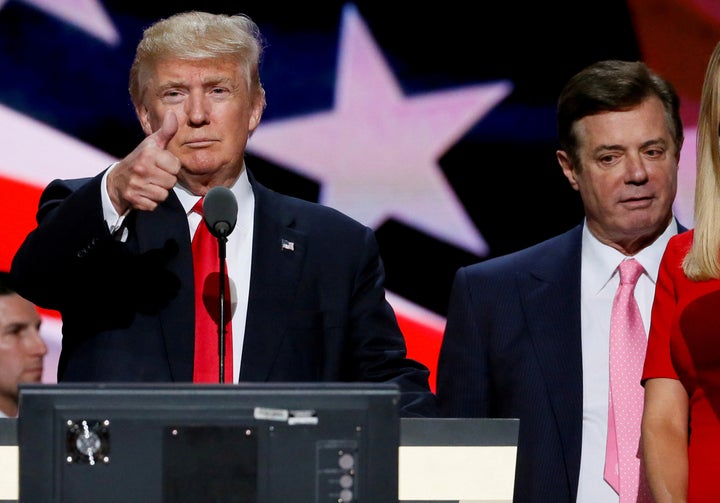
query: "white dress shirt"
599, 281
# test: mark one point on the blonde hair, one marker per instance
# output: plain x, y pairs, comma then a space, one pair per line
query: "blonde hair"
703, 260
197, 36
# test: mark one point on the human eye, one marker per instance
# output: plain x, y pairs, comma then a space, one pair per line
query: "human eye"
655, 152
172, 96
608, 158
219, 92
10, 333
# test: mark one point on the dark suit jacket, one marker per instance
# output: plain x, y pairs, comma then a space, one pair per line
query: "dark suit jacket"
512, 349
315, 313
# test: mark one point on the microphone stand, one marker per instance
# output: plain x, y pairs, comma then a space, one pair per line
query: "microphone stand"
220, 215
222, 240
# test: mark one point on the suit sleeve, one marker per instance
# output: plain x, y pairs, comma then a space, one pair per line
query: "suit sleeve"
71, 263
70, 225
380, 351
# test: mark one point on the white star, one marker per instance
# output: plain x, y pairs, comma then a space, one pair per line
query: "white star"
88, 15
376, 154
22, 160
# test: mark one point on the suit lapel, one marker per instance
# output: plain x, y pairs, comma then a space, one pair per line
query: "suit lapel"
551, 299
278, 255
168, 223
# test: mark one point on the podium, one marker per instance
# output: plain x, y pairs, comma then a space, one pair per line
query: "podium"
175, 443
306, 443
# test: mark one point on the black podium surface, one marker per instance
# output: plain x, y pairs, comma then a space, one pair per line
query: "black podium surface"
255, 443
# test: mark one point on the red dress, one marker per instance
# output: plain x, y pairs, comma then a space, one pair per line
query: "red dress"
684, 344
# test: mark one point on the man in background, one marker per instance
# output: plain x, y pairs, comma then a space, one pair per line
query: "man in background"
22, 349
528, 334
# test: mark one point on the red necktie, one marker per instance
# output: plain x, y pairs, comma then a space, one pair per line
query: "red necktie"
206, 265
627, 354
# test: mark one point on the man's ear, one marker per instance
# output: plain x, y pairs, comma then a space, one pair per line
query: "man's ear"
567, 167
256, 112
144, 117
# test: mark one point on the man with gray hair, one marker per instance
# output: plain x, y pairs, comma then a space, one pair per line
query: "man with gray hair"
114, 253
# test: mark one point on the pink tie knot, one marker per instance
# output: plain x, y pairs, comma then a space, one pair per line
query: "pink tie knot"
630, 271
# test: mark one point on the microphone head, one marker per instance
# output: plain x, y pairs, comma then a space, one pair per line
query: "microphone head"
220, 211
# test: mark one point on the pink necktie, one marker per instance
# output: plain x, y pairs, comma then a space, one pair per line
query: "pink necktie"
206, 265
627, 355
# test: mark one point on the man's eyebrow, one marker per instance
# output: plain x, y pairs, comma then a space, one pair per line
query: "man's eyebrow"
655, 141
208, 81
602, 148
648, 143
170, 84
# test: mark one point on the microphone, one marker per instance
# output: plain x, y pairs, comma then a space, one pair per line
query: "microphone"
220, 211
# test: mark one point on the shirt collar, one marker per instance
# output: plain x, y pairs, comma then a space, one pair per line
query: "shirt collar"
241, 189
600, 261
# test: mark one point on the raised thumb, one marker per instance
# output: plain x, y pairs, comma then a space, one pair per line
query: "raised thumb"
167, 130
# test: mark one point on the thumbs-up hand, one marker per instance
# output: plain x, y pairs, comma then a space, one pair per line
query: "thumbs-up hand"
144, 178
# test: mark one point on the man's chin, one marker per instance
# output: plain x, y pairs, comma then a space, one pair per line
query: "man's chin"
646, 224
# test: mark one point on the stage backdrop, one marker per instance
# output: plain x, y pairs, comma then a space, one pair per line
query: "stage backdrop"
435, 126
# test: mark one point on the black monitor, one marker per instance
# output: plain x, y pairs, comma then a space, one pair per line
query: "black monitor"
250, 443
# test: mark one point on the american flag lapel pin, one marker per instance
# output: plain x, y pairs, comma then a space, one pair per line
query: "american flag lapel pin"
287, 245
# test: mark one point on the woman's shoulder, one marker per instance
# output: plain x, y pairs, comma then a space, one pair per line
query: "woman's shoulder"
682, 240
